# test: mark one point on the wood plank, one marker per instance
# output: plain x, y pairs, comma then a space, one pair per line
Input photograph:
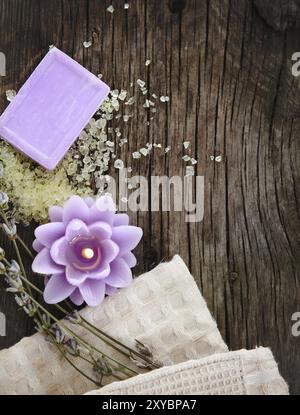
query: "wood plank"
226, 68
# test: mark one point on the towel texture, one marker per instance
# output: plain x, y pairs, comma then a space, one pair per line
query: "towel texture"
163, 309
245, 372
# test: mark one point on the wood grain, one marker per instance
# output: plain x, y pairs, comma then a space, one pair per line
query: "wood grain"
226, 67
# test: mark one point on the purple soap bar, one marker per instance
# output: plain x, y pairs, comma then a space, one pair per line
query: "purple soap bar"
52, 108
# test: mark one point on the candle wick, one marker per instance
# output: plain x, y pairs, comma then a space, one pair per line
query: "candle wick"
87, 253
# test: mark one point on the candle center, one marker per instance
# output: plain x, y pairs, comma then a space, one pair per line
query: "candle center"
87, 253
84, 253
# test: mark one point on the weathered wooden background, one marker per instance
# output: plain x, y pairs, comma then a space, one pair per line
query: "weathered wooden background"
226, 65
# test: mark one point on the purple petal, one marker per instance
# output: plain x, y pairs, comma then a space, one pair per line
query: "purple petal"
57, 289
103, 210
37, 246
75, 276
110, 290
56, 213
44, 264
75, 208
76, 297
120, 275
59, 251
93, 291
130, 259
126, 237
101, 272
109, 250
47, 234
76, 228
89, 201
121, 219
101, 230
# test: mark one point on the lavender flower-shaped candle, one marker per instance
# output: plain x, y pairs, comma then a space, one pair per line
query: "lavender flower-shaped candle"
86, 250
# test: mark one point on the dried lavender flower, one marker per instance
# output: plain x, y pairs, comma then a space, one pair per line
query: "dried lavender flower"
2, 268
10, 230
4, 199
14, 268
2, 254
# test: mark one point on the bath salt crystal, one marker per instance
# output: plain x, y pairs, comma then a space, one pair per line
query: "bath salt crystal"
10, 94
126, 6
218, 159
167, 149
147, 63
144, 151
186, 158
118, 164
130, 101
164, 98
186, 144
136, 155
141, 83
114, 93
110, 9
193, 161
122, 94
87, 44
122, 142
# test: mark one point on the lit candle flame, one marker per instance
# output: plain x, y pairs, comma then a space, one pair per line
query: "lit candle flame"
87, 253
